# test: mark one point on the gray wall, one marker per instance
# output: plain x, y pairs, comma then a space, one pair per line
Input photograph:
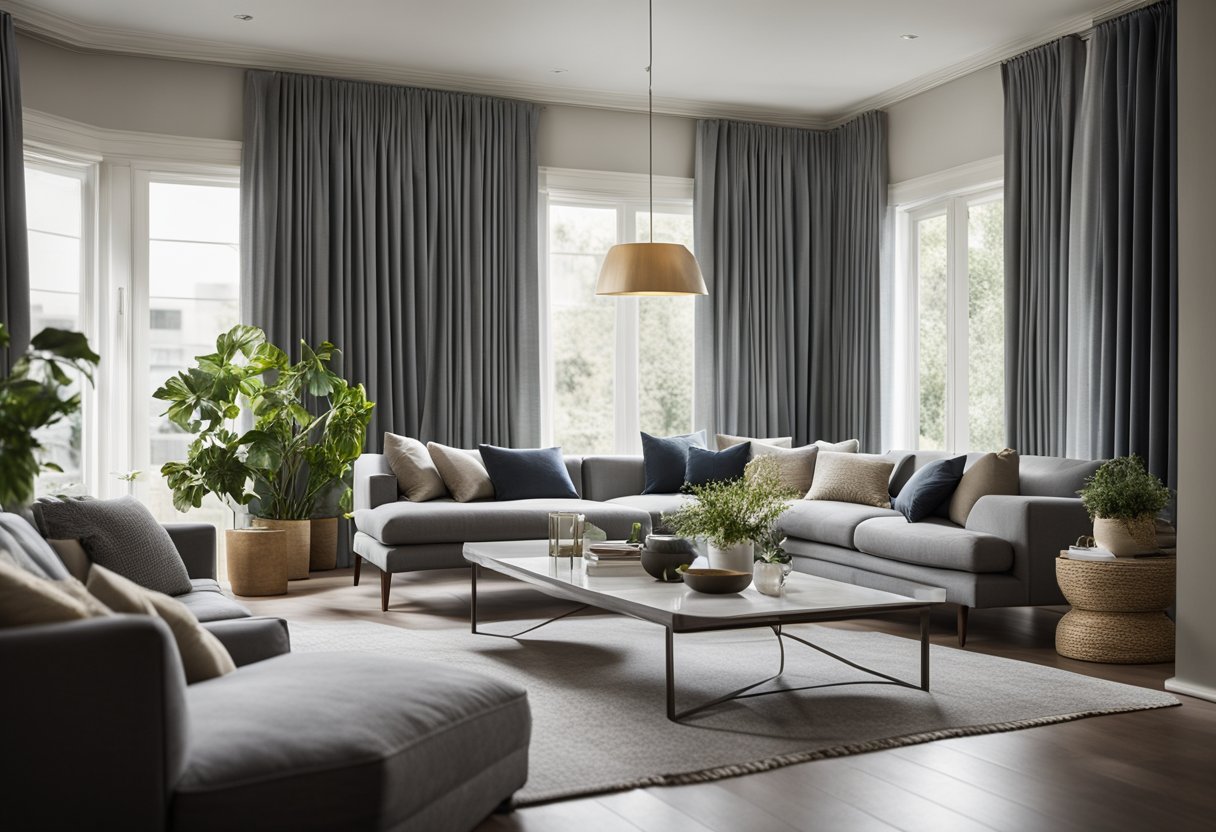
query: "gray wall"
1196, 659
947, 126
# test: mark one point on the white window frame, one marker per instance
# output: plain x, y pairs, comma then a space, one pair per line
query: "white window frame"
948, 193
629, 194
121, 163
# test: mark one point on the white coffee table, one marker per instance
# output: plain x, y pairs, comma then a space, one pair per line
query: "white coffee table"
678, 609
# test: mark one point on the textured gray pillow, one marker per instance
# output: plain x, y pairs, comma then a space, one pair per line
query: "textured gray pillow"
122, 536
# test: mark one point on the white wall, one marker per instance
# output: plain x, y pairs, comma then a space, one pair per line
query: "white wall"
205, 101
947, 126
1196, 646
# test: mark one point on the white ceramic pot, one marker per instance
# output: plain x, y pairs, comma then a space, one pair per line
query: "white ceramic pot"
768, 578
1125, 538
737, 558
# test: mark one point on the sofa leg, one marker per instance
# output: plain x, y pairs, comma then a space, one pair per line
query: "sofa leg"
358, 568
386, 580
506, 807
963, 609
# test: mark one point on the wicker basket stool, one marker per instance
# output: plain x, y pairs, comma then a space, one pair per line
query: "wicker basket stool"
1118, 610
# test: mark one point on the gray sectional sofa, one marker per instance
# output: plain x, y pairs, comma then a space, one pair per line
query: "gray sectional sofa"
1003, 557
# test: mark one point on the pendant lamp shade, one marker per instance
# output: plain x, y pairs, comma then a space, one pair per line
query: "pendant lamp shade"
650, 269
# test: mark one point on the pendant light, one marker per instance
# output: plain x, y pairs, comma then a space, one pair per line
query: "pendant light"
641, 269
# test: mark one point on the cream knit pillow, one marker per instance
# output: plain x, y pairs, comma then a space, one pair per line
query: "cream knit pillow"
27, 599
463, 472
795, 466
417, 477
851, 478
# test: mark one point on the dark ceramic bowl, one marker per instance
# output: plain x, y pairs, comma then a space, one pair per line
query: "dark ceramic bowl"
717, 581
671, 543
664, 565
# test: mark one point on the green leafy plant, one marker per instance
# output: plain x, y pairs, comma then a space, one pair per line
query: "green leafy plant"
36, 394
293, 455
1122, 489
771, 548
735, 511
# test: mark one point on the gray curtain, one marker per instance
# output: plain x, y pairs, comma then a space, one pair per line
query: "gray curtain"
1042, 99
401, 224
14, 245
1123, 265
789, 228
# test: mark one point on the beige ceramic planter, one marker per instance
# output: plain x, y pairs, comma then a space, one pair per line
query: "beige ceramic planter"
1125, 538
298, 534
323, 544
257, 561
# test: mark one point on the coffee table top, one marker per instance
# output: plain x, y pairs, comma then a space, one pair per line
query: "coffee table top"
806, 597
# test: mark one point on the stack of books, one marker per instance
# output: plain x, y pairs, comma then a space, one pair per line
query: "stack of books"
614, 558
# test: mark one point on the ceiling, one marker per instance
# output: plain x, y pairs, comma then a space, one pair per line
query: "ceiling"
811, 62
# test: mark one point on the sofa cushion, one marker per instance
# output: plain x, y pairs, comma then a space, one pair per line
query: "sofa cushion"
27, 599
463, 472
934, 542
929, 488
526, 474
267, 752
209, 603
665, 459
123, 536
444, 521
656, 505
827, 521
417, 477
705, 466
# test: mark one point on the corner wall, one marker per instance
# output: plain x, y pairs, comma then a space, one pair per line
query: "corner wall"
1195, 665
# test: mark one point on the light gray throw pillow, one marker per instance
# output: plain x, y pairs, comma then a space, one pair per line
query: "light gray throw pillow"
122, 536
417, 477
463, 472
726, 440
848, 446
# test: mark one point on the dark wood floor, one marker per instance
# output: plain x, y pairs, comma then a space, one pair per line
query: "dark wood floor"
1150, 770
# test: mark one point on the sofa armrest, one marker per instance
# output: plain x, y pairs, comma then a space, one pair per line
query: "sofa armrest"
375, 483
250, 640
95, 730
195, 543
1037, 528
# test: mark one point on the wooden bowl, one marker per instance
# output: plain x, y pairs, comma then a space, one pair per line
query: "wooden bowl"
717, 581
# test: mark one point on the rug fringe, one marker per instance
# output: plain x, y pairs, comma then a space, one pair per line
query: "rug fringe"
722, 772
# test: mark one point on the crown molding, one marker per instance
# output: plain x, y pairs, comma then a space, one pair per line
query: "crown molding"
63, 31
977, 175
50, 132
578, 182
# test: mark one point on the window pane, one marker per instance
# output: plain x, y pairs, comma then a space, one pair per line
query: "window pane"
665, 335
193, 296
932, 329
986, 326
53, 212
584, 329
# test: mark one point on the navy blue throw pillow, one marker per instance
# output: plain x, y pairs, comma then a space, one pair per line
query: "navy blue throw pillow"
665, 459
528, 474
929, 488
716, 466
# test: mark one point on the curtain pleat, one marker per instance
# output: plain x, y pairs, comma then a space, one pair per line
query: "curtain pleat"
789, 227
14, 245
400, 224
1123, 268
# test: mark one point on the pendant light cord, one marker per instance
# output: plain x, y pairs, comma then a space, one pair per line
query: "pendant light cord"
650, 112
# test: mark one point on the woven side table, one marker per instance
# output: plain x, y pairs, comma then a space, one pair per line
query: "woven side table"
1118, 610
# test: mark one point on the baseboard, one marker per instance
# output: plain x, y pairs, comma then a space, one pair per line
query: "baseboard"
1175, 685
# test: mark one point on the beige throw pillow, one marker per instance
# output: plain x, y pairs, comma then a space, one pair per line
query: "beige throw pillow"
463, 472
848, 446
417, 477
725, 440
27, 599
203, 656
795, 466
851, 478
990, 474
74, 557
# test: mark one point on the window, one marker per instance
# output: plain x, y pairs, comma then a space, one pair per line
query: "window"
952, 381
615, 366
58, 218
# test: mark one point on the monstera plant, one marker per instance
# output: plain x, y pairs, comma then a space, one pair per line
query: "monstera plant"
306, 426
37, 393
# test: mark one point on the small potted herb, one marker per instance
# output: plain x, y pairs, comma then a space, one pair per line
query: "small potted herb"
773, 564
1123, 499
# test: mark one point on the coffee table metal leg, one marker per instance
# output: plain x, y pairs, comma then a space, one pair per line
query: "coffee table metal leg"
741, 693
473, 570
924, 650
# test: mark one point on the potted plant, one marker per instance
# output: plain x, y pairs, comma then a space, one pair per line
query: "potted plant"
1123, 499
36, 394
773, 564
733, 515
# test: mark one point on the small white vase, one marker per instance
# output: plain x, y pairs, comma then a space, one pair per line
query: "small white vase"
768, 578
737, 558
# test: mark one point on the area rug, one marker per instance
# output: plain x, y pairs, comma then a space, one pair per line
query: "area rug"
596, 688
